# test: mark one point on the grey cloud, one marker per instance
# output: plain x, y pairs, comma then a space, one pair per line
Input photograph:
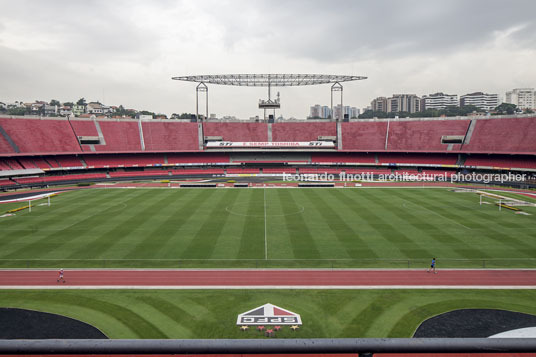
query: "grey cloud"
353, 30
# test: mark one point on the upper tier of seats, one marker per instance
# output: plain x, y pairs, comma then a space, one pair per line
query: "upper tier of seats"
160, 136
237, 131
40, 135
302, 131
488, 135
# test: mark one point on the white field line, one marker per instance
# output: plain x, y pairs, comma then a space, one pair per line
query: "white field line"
265, 269
438, 214
265, 287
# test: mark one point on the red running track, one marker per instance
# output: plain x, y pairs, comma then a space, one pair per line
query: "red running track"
271, 278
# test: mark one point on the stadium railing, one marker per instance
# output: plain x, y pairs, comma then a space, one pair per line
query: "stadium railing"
361, 346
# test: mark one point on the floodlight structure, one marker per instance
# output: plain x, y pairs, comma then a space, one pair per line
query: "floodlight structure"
267, 80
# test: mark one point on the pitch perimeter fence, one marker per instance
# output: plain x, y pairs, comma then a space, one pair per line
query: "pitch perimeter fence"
506, 263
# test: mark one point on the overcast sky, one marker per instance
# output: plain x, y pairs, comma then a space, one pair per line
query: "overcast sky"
125, 52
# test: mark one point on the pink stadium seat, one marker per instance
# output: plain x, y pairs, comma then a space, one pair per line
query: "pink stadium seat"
84, 127
199, 158
308, 131
69, 161
237, 131
198, 172
119, 136
423, 135
5, 182
13, 164
139, 173
343, 157
170, 136
504, 161
279, 170
41, 135
396, 158
366, 136
4, 165
123, 160
41, 163
5, 148
27, 162
506, 135
232, 170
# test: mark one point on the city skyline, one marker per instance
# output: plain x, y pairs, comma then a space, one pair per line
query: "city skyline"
128, 53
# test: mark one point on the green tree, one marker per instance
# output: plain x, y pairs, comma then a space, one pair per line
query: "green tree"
369, 114
81, 101
17, 111
506, 108
55, 102
68, 104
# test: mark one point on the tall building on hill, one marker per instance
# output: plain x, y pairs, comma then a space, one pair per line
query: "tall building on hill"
320, 111
404, 103
351, 112
379, 104
315, 111
325, 112
480, 100
439, 101
522, 97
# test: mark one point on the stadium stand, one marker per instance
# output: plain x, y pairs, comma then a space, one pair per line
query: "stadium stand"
45, 179
120, 135
371, 170
197, 172
41, 163
506, 161
13, 164
237, 131
279, 170
364, 136
126, 160
52, 162
27, 162
507, 135
202, 158
406, 145
343, 158
423, 135
4, 165
84, 127
138, 173
5, 147
68, 161
41, 135
232, 170
162, 136
309, 131
399, 158
7, 182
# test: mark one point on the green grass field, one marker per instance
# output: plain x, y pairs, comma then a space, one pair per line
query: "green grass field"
342, 227
213, 313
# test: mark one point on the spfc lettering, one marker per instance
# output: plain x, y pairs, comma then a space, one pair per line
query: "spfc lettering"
269, 314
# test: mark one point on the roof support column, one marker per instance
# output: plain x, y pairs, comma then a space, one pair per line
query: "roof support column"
201, 87
336, 87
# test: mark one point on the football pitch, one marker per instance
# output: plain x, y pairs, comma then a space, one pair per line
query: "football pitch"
267, 227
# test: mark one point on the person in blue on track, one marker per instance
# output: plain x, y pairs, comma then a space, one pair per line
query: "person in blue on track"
432, 267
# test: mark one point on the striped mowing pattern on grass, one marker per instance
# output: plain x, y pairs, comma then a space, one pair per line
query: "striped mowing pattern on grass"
215, 225
212, 314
